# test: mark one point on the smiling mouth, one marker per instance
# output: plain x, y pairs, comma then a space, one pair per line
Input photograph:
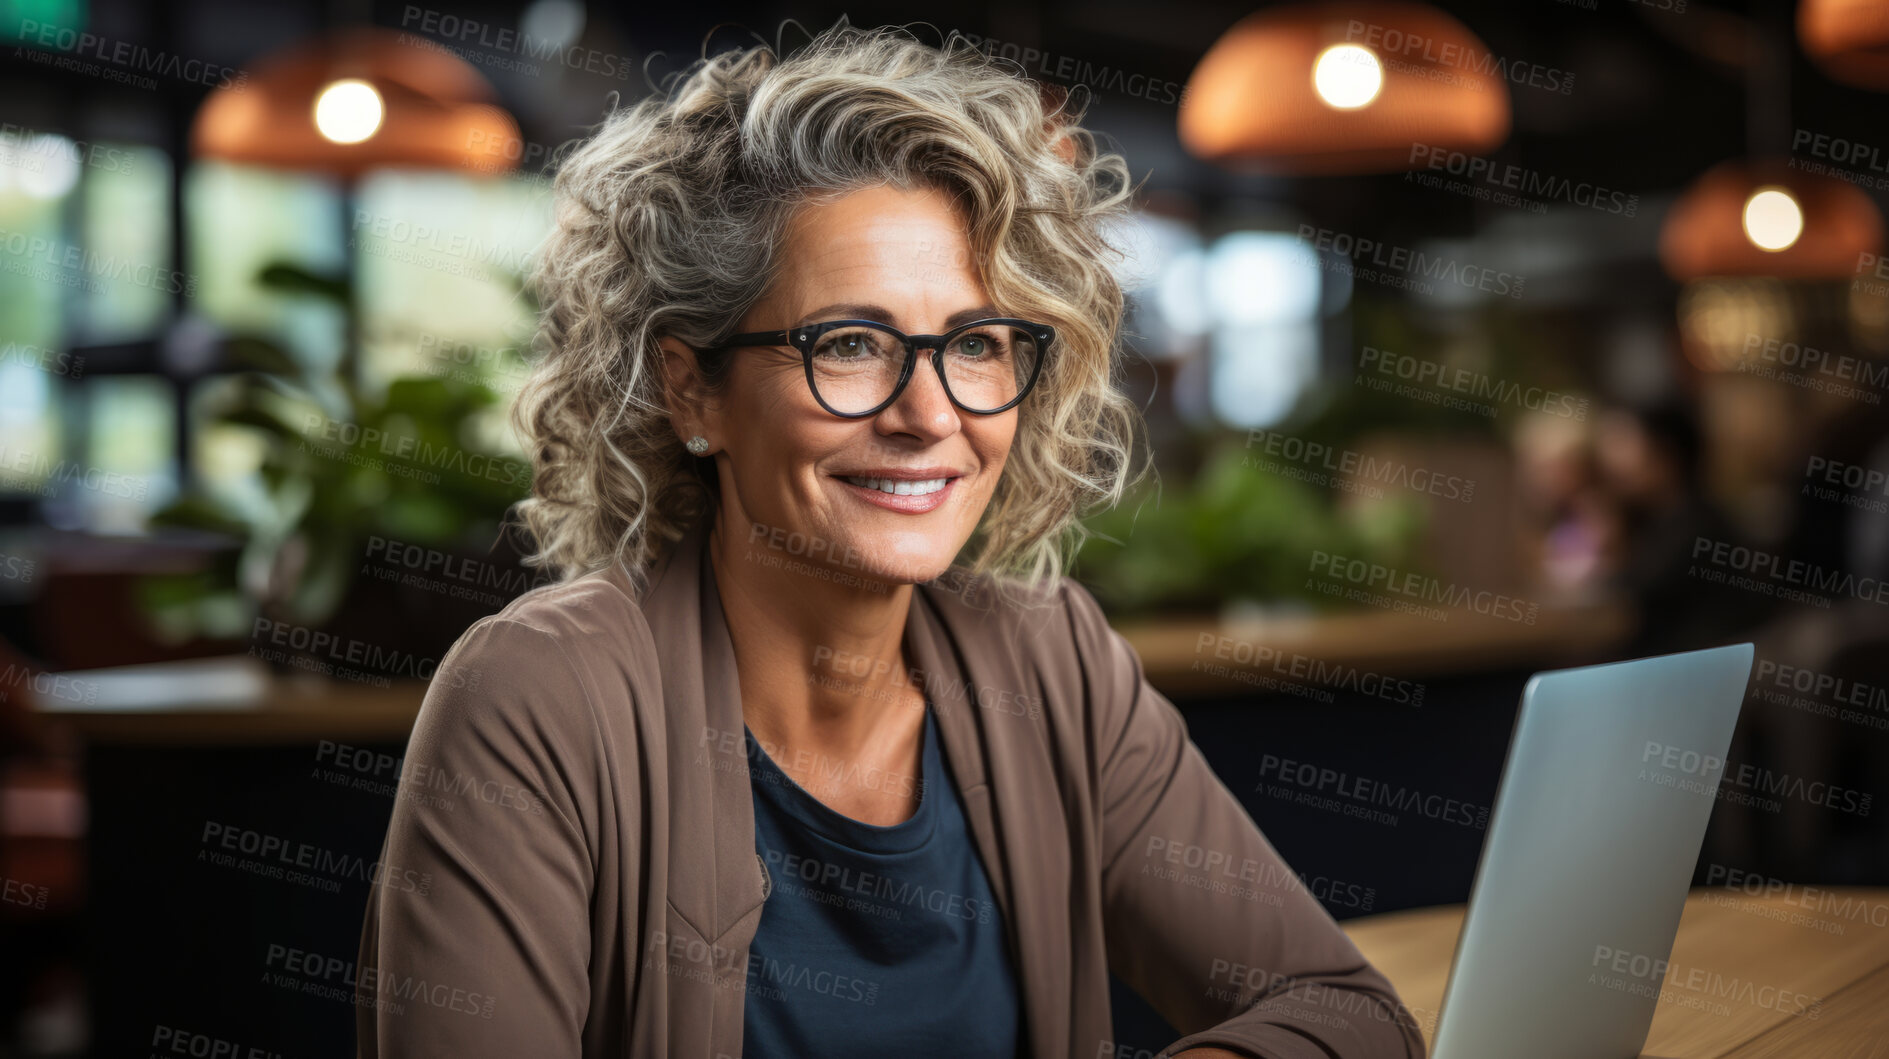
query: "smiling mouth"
899, 487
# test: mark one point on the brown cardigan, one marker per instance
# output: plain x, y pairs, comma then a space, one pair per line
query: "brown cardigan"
575, 806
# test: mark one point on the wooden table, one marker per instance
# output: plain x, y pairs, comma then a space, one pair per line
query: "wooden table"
1218, 656
1751, 939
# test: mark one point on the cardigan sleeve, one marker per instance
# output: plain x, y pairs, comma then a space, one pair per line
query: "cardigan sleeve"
1203, 918
476, 942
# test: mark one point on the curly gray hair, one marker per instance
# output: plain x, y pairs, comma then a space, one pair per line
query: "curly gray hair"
669, 220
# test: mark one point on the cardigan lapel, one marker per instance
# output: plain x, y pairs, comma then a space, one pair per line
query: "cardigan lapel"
710, 799
1004, 778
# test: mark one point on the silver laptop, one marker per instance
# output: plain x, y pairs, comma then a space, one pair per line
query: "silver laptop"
1612, 773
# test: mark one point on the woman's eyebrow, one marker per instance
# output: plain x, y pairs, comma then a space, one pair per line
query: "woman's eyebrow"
860, 311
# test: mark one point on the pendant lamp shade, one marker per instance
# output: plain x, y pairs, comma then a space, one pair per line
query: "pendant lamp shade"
1849, 39
360, 99
1768, 219
1344, 88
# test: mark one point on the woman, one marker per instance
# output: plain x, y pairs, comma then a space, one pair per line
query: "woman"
766, 774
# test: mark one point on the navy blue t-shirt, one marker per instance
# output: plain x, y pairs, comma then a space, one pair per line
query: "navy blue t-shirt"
875, 940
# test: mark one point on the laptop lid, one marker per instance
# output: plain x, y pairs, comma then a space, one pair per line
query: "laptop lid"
1611, 776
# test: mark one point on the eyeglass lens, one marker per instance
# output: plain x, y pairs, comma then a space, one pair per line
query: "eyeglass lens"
856, 368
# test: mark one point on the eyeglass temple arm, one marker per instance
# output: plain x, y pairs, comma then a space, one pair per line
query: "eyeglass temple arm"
752, 338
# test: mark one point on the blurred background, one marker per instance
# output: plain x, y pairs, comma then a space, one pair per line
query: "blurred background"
1474, 339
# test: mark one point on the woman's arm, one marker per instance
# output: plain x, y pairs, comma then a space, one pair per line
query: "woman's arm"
477, 940
1204, 919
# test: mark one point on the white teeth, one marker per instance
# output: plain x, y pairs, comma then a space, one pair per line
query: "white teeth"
900, 487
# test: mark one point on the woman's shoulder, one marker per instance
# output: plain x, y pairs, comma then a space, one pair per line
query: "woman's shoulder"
586, 615
554, 650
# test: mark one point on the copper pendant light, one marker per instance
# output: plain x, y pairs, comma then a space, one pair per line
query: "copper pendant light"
355, 100
1849, 39
1768, 219
1344, 88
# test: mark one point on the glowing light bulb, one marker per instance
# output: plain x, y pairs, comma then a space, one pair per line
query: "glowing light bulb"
348, 111
1773, 220
1347, 76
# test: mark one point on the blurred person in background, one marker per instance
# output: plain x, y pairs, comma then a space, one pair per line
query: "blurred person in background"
774, 775
1651, 462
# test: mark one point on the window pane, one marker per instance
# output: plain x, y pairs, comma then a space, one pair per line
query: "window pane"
441, 258
29, 427
242, 219
129, 472
33, 277
125, 232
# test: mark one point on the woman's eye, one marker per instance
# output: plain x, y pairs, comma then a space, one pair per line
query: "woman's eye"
845, 346
978, 347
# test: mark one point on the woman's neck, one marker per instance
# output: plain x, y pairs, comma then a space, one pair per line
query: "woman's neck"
819, 651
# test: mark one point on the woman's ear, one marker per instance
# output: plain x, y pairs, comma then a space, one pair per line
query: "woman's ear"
690, 410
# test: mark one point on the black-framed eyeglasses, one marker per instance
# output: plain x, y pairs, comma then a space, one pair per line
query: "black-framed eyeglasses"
857, 368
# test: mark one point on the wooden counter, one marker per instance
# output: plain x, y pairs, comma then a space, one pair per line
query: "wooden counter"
1211, 656
1752, 939
220, 701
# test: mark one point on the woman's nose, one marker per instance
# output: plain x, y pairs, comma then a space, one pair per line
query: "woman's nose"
924, 408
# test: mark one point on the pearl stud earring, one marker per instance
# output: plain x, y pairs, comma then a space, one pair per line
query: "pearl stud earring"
697, 444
